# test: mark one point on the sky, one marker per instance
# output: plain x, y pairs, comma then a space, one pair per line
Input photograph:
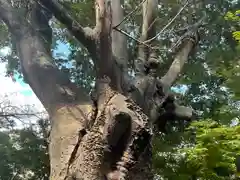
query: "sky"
19, 93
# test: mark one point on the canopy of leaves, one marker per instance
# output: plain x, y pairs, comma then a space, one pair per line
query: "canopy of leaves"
23, 154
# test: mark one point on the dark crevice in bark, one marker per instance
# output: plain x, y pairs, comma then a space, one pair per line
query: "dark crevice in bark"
137, 144
74, 152
118, 134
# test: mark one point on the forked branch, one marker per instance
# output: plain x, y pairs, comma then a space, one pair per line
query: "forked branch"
148, 31
84, 35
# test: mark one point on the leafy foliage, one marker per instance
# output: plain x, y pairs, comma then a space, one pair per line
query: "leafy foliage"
213, 156
23, 155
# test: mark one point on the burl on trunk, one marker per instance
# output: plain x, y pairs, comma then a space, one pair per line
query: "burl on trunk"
105, 135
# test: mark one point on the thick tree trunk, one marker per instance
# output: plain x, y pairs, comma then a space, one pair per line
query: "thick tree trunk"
108, 137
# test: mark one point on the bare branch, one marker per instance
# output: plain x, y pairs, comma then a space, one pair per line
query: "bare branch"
100, 12
179, 61
137, 40
103, 32
129, 14
7, 14
184, 46
83, 35
119, 41
52, 87
169, 23
148, 31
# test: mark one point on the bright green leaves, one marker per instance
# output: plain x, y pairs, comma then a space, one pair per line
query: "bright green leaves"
206, 150
233, 16
215, 150
236, 35
236, 18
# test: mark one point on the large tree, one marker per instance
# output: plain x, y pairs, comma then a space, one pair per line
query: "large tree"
105, 135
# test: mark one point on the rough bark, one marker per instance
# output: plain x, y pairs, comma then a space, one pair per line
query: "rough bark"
66, 104
108, 137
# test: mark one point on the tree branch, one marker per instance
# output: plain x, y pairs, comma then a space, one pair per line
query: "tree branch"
119, 46
119, 41
129, 14
7, 15
85, 35
69, 107
169, 23
177, 65
185, 46
148, 31
51, 86
133, 38
103, 30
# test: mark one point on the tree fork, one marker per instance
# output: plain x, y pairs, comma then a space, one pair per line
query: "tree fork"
103, 42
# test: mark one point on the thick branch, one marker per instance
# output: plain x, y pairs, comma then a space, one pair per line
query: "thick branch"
52, 87
68, 106
119, 41
105, 63
7, 15
177, 65
83, 35
148, 31
188, 42
146, 63
119, 45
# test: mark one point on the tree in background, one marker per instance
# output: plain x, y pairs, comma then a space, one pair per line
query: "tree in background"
23, 142
210, 147
12, 115
85, 132
23, 153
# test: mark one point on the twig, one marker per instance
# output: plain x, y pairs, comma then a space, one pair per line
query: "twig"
169, 23
189, 29
129, 14
126, 34
140, 42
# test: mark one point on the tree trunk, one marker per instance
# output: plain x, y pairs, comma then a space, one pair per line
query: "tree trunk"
108, 136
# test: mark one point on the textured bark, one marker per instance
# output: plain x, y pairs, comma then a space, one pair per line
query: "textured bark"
68, 107
108, 136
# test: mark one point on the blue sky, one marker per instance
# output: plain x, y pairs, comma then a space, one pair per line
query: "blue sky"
19, 93
62, 49
25, 94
